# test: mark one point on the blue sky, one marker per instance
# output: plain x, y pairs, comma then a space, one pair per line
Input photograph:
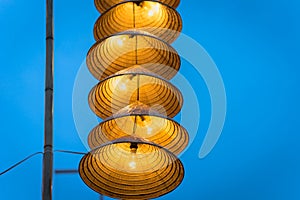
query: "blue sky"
255, 45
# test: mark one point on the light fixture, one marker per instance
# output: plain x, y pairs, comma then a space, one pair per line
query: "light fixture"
131, 168
140, 121
166, 24
103, 5
134, 149
131, 85
120, 51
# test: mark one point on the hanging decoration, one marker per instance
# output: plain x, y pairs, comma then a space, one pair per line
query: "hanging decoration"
134, 149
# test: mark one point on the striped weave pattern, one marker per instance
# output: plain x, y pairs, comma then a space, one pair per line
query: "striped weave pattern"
134, 149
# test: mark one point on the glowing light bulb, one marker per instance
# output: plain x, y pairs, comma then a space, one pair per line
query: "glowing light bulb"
123, 87
132, 164
154, 9
120, 84
133, 149
120, 42
149, 130
150, 13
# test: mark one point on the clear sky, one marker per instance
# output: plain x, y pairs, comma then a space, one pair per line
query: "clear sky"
254, 43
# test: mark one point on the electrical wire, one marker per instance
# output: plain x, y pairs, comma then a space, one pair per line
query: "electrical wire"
34, 154
20, 162
70, 152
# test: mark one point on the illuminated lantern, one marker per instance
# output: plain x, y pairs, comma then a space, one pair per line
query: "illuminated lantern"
134, 149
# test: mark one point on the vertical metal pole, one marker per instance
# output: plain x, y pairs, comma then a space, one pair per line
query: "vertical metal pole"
48, 126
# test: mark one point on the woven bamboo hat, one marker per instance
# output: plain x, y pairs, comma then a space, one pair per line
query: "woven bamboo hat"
138, 120
103, 5
156, 18
131, 168
123, 50
131, 85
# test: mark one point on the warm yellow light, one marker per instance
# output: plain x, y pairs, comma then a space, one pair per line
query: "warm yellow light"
143, 121
149, 17
123, 87
121, 84
150, 13
120, 42
152, 173
153, 8
149, 130
132, 164
135, 146
133, 149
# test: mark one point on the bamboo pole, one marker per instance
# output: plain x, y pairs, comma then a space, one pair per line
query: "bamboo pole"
48, 123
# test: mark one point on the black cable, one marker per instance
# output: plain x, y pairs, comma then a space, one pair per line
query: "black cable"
18, 163
70, 152
34, 154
